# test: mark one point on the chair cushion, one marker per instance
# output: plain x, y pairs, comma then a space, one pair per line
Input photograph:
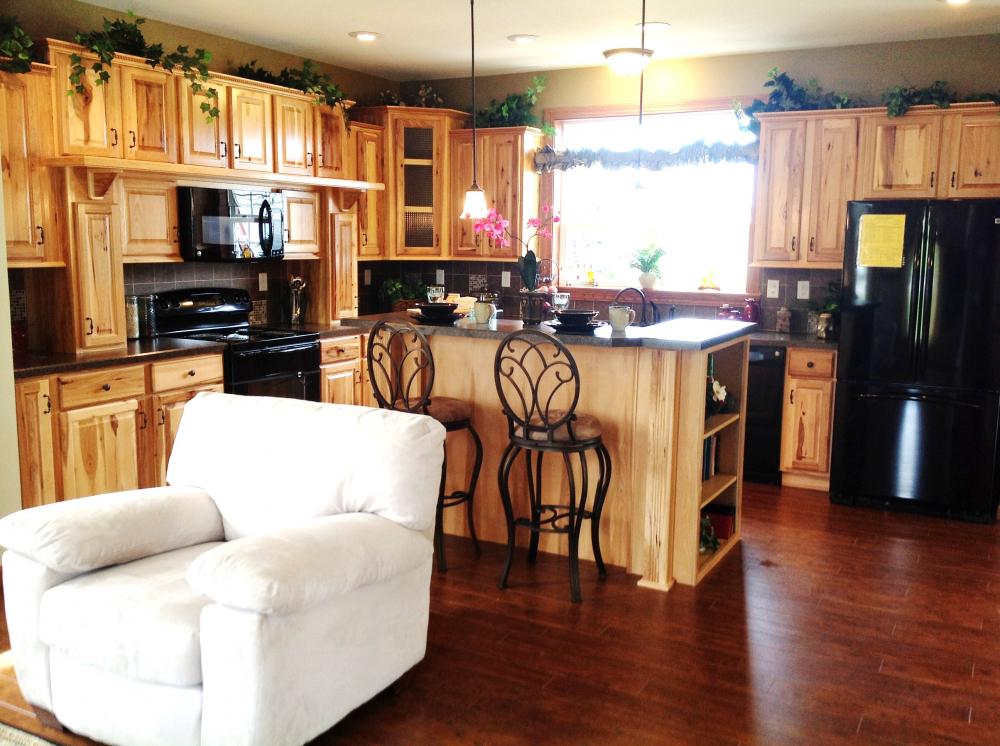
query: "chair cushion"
446, 410
585, 427
139, 620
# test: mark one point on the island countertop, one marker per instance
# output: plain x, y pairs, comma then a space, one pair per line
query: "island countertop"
677, 334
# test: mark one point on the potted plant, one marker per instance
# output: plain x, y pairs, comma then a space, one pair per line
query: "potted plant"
401, 295
647, 261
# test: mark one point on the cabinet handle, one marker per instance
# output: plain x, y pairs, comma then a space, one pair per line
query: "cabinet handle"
812, 243
41, 234
364, 239
90, 321
177, 234
322, 160
287, 235
163, 416
145, 419
793, 244
791, 396
114, 137
106, 387
236, 150
954, 176
191, 373
436, 238
131, 135
48, 403
223, 149
309, 159
932, 179
810, 364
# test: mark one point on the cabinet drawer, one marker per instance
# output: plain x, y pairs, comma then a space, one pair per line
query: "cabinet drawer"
106, 384
335, 350
186, 372
811, 363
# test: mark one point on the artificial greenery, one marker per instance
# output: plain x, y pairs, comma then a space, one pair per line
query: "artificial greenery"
899, 99
831, 303
308, 79
516, 110
787, 95
648, 259
707, 541
388, 97
425, 96
395, 290
15, 46
124, 36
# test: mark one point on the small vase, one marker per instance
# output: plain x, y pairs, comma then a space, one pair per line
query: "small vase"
535, 306
647, 280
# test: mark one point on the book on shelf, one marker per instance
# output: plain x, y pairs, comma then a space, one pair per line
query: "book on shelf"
710, 458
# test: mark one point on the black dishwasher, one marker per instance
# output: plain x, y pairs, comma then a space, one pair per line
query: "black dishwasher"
765, 396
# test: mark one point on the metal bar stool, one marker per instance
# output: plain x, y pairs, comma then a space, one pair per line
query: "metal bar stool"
539, 387
401, 371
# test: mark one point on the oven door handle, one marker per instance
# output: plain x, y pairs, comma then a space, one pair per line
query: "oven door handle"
272, 350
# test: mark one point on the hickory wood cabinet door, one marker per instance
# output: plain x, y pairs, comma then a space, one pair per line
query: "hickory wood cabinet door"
293, 135
99, 280
465, 242
204, 141
36, 442
341, 383
166, 412
778, 206
806, 424
100, 448
88, 123
302, 225
899, 156
149, 221
368, 145
331, 141
345, 287
251, 130
972, 149
149, 113
419, 185
829, 183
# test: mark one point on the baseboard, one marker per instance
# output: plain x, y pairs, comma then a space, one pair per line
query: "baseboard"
819, 482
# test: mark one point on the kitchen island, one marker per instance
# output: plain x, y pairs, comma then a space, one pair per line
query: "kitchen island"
647, 386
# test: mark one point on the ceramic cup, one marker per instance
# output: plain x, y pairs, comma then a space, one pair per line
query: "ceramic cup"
484, 312
620, 317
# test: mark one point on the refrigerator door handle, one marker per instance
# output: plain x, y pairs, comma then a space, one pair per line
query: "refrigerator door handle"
919, 398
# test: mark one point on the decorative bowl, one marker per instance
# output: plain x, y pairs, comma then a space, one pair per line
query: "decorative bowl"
569, 317
437, 310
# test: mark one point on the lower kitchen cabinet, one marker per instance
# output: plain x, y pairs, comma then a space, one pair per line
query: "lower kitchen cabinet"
342, 383
36, 442
166, 410
100, 448
807, 419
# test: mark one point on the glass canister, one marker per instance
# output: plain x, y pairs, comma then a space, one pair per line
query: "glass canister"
132, 316
147, 315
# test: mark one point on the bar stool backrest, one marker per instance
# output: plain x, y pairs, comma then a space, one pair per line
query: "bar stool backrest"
538, 384
400, 367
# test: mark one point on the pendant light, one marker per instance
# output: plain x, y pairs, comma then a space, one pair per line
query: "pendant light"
474, 207
630, 60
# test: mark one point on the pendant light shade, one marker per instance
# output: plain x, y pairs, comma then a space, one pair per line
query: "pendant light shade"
474, 207
628, 60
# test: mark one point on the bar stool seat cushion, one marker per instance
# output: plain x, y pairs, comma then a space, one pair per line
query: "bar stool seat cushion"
584, 427
446, 410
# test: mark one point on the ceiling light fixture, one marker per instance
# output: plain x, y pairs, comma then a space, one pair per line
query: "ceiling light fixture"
957, 2
631, 60
365, 36
654, 26
474, 207
524, 38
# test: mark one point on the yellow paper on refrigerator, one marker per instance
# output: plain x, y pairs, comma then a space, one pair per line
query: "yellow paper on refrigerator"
880, 240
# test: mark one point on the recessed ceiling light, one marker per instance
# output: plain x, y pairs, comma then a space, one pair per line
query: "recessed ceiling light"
659, 25
524, 38
366, 36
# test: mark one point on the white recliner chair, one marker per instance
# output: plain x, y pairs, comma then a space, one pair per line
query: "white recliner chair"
280, 581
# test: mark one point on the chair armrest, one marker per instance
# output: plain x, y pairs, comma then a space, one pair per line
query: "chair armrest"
299, 567
88, 533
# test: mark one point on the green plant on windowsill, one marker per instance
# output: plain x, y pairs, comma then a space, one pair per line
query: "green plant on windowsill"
16, 47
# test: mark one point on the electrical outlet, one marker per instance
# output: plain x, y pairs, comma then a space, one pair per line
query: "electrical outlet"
773, 288
802, 290
262, 281
439, 277
505, 279
368, 277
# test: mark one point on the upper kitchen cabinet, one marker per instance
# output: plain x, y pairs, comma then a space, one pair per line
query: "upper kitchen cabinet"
149, 228
204, 140
302, 225
251, 130
368, 148
331, 142
972, 149
899, 156
507, 176
99, 280
32, 223
149, 112
89, 123
806, 175
293, 135
417, 201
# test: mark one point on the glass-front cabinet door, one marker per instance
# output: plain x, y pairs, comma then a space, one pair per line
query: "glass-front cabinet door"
419, 145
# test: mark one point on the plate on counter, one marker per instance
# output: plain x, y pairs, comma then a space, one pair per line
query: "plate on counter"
579, 329
438, 321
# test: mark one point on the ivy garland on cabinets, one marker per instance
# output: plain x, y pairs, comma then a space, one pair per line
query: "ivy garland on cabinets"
307, 79
516, 110
16, 47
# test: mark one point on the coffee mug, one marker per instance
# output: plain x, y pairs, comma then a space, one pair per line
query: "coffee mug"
620, 317
484, 312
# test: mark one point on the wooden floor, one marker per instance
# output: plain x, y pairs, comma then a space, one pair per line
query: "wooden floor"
830, 624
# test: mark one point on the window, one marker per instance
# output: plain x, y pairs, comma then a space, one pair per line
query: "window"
698, 214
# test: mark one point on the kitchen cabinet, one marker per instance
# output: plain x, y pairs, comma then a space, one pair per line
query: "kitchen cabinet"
806, 175
331, 141
971, 147
899, 156
250, 129
368, 166
342, 383
149, 226
345, 262
100, 284
88, 123
204, 141
507, 176
302, 225
149, 112
293, 135
100, 448
36, 442
418, 205
807, 418
167, 410
32, 222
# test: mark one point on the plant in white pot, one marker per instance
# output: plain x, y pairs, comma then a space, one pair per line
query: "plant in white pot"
647, 261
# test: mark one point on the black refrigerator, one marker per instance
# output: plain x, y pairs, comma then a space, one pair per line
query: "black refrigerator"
917, 407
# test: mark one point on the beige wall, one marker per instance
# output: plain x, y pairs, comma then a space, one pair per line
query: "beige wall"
970, 64
10, 485
61, 19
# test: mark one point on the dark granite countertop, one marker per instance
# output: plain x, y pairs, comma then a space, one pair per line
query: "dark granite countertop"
29, 364
678, 334
793, 340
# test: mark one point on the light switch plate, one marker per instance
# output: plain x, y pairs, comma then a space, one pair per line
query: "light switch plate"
802, 290
368, 277
773, 288
505, 279
439, 277
262, 281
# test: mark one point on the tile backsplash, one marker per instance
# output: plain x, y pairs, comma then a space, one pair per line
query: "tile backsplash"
819, 281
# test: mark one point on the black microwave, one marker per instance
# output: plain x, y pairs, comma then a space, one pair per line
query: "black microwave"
230, 225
